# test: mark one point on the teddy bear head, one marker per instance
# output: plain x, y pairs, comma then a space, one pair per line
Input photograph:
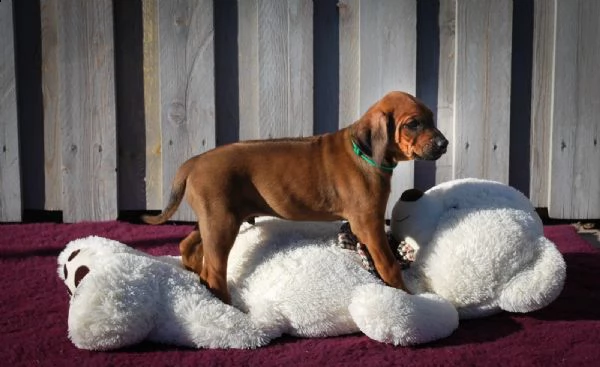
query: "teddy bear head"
75, 268
82, 256
417, 214
480, 245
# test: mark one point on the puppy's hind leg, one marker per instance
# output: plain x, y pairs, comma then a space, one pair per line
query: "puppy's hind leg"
217, 243
192, 254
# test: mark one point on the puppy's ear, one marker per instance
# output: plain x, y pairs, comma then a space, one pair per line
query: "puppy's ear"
374, 134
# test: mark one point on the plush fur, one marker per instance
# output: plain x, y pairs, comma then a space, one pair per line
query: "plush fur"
480, 245
291, 278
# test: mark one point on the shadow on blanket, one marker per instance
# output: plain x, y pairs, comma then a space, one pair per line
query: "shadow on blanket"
581, 290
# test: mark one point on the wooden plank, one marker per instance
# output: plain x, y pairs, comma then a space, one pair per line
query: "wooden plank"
482, 89
445, 110
272, 69
248, 68
385, 61
10, 175
276, 68
300, 60
153, 133
87, 110
186, 39
541, 101
349, 62
285, 68
388, 55
575, 152
50, 92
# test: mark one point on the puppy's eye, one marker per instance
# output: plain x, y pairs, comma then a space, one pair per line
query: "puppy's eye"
412, 124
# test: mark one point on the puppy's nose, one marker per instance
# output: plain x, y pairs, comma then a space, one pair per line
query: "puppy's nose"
442, 143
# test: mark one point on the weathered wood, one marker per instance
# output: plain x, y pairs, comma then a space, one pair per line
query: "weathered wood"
377, 53
154, 182
50, 92
248, 68
541, 101
10, 175
300, 59
86, 110
273, 68
276, 68
349, 62
386, 50
575, 152
482, 88
187, 91
445, 105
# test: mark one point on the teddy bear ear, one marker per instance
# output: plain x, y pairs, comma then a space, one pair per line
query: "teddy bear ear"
411, 195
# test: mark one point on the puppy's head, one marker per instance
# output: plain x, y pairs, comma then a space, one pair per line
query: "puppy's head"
398, 128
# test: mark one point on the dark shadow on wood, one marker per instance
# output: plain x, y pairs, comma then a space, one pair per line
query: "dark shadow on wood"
28, 63
520, 96
129, 84
39, 216
428, 56
227, 111
135, 217
326, 56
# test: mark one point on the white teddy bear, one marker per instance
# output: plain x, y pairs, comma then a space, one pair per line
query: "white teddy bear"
293, 278
480, 245
285, 278
121, 296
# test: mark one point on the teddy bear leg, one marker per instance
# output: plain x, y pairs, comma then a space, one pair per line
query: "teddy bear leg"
392, 316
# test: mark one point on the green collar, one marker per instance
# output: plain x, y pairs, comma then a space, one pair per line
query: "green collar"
370, 160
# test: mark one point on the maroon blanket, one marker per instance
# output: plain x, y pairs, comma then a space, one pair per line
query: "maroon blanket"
34, 309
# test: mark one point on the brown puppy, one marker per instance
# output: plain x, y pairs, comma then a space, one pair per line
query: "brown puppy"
343, 175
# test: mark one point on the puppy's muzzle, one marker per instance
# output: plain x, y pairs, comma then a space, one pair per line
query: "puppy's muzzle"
435, 149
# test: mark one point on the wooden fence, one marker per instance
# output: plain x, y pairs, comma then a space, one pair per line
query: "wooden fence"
100, 101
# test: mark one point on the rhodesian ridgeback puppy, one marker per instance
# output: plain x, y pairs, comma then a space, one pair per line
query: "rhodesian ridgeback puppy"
341, 175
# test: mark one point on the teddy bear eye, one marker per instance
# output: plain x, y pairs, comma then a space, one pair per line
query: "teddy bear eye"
402, 219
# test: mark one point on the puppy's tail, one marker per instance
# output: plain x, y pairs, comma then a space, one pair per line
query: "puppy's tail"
177, 192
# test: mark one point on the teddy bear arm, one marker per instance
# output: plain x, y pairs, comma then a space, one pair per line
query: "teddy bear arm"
539, 283
393, 316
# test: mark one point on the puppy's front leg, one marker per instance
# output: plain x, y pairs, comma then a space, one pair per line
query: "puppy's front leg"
372, 234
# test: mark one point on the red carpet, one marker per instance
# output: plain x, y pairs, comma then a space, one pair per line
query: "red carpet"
34, 308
